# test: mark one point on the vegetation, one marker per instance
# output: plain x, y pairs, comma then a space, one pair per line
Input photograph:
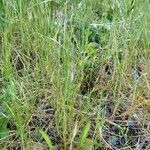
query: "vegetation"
74, 74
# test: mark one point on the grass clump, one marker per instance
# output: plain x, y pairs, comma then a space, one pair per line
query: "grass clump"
74, 74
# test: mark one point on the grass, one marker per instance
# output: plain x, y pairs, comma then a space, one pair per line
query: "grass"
77, 71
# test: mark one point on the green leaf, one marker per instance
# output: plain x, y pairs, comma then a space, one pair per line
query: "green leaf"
84, 134
92, 48
9, 93
4, 132
47, 139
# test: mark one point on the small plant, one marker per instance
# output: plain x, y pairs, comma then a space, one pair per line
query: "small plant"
83, 137
92, 49
9, 94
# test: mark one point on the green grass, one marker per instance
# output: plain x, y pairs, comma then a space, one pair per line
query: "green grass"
75, 59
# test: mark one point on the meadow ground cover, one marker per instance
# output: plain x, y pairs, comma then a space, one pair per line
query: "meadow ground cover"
74, 74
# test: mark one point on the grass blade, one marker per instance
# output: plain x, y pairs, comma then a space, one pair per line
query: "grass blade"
84, 134
47, 139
